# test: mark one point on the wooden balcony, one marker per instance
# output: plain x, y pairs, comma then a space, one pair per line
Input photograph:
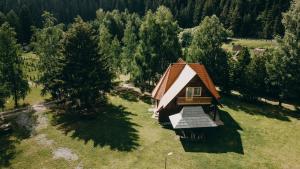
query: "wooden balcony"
194, 100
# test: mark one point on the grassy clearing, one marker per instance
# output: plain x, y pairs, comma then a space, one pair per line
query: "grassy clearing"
31, 73
33, 97
250, 43
124, 136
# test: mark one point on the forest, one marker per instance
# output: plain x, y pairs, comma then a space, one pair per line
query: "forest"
76, 78
80, 61
251, 18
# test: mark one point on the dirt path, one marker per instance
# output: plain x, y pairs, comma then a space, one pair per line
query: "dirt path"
41, 138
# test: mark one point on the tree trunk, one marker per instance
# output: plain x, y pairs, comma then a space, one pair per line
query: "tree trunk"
280, 103
16, 98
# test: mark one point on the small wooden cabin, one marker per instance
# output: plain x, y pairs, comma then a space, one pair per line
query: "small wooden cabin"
187, 97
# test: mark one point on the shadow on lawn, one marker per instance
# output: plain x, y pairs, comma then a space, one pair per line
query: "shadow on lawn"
7, 148
260, 108
131, 95
13, 134
222, 139
110, 127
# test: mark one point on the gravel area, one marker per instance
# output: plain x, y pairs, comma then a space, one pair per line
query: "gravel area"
65, 153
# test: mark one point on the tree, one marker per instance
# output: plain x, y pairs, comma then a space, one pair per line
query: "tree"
14, 21
284, 69
2, 18
105, 41
10, 58
4, 92
130, 41
159, 45
255, 78
206, 48
25, 22
47, 44
86, 73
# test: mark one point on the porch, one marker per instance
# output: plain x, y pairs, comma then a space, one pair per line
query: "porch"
194, 101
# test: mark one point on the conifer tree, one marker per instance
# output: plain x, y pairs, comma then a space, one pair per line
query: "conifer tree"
284, 69
130, 41
86, 73
47, 44
12, 64
206, 48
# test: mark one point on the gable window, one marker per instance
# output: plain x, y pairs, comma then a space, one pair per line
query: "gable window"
193, 92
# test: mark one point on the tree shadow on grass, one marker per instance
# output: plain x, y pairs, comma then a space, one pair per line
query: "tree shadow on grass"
221, 139
16, 129
109, 127
260, 108
7, 148
131, 95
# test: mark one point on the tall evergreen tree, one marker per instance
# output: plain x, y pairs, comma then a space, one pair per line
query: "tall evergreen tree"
284, 69
86, 74
4, 91
130, 41
2, 18
206, 48
47, 44
159, 44
10, 58
26, 23
14, 21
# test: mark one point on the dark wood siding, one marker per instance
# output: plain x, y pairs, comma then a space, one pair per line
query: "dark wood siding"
173, 108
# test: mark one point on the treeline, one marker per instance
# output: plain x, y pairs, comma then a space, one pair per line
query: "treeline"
273, 74
252, 18
78, 62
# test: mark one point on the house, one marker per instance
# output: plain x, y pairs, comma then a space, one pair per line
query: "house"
187, 97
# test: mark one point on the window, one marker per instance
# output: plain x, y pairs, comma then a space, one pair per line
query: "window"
189, 92
197, 91
193, 92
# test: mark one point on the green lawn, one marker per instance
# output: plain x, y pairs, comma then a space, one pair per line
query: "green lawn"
123, 135
250, 43
34, 96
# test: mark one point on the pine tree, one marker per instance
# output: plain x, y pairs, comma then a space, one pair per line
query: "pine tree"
130, 41
86, 74
2, 18
284, 69
159, 44
4, 91
206, 48
47, 44
26, 23
10, 57
14, 21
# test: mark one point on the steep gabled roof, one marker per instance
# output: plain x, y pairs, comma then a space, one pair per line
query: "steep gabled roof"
173, 72
186, 75
204, 76
168, 79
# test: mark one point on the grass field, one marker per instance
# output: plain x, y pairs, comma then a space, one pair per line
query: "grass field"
250, 43
123, 135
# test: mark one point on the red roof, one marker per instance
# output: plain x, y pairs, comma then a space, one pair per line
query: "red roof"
174, 71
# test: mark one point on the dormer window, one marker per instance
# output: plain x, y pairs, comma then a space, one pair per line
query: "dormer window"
193, 91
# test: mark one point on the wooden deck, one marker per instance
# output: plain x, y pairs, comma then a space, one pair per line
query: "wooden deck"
194, 100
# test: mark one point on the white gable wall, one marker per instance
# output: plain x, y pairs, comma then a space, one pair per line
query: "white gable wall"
186, 75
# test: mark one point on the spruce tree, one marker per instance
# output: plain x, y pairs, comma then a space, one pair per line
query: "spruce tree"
12, 69
159, 45
284, 69
47, 44
86, 73
206, 49
130, 41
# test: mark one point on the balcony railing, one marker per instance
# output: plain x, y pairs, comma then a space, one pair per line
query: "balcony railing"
194, 100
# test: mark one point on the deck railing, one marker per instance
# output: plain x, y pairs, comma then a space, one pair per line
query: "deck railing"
194, 100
